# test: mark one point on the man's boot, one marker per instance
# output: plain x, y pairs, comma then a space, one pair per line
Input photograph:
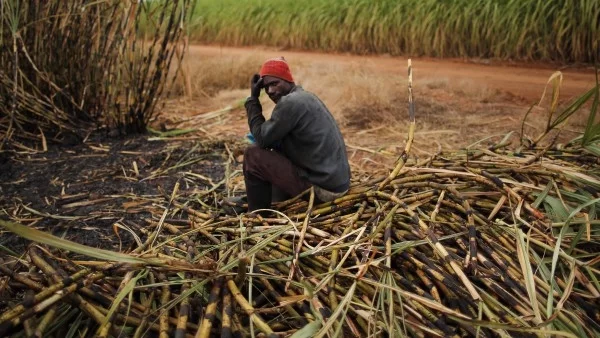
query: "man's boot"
234, 206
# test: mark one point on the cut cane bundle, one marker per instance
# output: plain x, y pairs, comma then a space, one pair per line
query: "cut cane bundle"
487, 242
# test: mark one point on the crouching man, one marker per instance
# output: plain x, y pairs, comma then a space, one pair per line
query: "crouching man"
298, 147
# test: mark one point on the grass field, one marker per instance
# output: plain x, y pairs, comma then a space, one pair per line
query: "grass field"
563, 31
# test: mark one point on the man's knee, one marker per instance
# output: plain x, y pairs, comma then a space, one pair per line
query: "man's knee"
251, 156
256, 160
251, 152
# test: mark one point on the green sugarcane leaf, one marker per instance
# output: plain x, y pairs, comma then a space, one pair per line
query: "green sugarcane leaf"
557, 249
576, 239
592, 277
556, 209
506, 137
8, 251
75, 326
572, 108
583, 178
523, 249
591, 130
543, 195
308, 330
593, 148
49, 239
581, 196
580, 330
338, 313
542, 268
127, 289
174, 132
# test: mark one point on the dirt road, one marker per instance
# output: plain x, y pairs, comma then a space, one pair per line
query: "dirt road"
526, 81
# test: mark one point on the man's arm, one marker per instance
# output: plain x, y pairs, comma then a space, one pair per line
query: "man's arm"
268, 132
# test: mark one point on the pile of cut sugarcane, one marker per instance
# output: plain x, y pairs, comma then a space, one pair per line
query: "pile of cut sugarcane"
485, 242
480, 243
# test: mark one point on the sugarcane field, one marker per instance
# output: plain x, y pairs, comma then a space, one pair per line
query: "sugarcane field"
278, 168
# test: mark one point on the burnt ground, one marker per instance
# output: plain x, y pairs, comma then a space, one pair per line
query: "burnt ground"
79, 192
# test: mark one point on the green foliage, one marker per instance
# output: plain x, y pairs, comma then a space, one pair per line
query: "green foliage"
561, 30
592, 129
590, 139
558, 116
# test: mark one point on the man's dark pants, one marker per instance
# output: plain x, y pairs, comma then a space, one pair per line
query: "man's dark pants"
266, 171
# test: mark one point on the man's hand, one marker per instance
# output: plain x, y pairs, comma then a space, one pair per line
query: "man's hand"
256, 84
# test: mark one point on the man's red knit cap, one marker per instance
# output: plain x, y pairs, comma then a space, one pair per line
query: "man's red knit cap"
277, 67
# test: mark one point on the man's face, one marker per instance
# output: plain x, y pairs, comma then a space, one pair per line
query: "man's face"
276, 88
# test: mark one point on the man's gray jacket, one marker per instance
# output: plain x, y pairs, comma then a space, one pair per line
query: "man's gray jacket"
307, 134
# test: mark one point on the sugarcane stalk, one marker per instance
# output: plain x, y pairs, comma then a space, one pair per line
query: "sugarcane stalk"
103, 330
472, 254
294, 265
335, 254
134, 321
226, 315
47, 297
164, 311
28, 326
45, 321
275, 268
74, 298
238, 328
184, 310
440, 249
209, 314
243, 261
402, 159
20, 278
290, 309
249, 310
140, 329
434, 273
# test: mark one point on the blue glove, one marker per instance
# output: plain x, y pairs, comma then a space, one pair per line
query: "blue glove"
277, 146
250, 138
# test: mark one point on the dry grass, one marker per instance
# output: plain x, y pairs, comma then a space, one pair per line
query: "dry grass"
356, 97
67, 67
209, 76
370, 108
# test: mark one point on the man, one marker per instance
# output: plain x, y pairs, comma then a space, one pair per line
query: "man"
298, 147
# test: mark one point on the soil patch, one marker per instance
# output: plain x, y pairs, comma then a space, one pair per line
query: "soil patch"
80, 192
